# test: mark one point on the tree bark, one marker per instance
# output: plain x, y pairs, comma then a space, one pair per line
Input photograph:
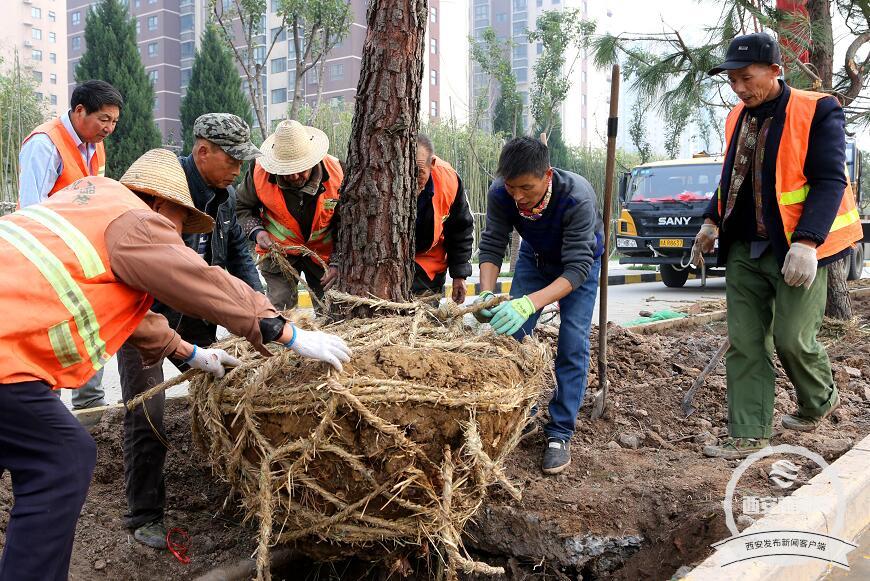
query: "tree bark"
822, 45
839, 305
378, 202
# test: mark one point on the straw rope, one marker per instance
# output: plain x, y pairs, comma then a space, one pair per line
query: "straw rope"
371, 457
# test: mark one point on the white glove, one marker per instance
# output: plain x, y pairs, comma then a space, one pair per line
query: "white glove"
800, 265
212, 361
319, 345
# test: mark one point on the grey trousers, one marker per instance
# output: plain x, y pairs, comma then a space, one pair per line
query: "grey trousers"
91, 394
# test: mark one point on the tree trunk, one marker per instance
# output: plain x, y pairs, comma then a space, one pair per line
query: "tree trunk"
378, 202
839, 305
321, 71
822, 45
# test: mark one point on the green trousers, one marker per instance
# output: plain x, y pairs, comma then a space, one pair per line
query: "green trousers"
765, 314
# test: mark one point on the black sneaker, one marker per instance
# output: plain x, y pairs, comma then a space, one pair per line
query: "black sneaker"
152, 534
557, 455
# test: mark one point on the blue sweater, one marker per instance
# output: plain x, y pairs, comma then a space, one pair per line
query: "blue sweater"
570, 233
826, 158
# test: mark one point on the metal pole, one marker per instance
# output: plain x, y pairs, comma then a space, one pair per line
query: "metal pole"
612, 122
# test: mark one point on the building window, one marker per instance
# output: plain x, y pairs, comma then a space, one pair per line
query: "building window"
433, 14
52, 78
433, 77
187, 49
53, 99
52, 58
185, 76
433, 108
36, 54
433, 45
52, 17
35, 12
539, 47
276, 5
37, 76
336, 71
152, 76
520, 5
281, 32
152, 1
279, 65
522, 74
481, 11
152, 49
186, 22
152, 23
36, 33
156, 104
76, 43
76, 18
501, 17
336, 101
583, 100
52, 37
38, 96
259, 54
279, 96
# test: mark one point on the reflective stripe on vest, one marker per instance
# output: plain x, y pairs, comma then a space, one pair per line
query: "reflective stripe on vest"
68, 292
446, 183
791, 185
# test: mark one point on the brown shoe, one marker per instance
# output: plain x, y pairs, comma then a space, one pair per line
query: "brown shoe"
801, 423
736, 448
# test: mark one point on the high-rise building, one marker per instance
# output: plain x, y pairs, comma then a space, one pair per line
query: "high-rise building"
511, 21
168, 34
160, 27
36, 31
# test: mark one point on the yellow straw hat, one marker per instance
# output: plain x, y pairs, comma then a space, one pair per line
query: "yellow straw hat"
159, 173
293, 148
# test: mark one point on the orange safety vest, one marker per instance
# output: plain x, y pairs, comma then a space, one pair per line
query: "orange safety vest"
791, 183
283, 228
64, 312
446, 183
73, 164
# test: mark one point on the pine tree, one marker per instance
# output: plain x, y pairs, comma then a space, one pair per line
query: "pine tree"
111, 56
215, 86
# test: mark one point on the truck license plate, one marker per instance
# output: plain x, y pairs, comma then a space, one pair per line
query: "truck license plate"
671, 242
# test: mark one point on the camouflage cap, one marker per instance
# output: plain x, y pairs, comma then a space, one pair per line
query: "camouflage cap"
228, 131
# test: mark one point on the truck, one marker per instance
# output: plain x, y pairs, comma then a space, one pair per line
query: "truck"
662, 206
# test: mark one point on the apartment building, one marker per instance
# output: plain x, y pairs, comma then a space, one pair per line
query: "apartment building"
35, 30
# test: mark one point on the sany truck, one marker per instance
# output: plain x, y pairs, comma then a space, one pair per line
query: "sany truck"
663, 203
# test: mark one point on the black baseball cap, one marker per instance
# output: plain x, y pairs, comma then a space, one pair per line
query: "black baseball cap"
745, 50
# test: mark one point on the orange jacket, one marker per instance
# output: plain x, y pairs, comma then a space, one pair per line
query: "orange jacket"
283, 228
73, 164
446, 184
791, 183
64, 312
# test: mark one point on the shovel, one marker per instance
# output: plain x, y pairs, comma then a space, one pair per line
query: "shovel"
688, 408
612, 121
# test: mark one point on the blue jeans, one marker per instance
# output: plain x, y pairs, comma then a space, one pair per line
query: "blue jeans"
572, 355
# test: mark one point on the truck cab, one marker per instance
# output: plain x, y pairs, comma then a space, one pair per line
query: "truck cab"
663, 204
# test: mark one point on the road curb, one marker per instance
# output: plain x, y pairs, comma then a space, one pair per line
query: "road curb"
853, 473
473, 288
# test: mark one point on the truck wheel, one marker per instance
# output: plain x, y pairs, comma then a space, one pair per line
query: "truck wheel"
672, 277
856, 263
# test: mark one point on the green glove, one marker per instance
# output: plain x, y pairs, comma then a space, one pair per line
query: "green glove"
483, 315
507, 318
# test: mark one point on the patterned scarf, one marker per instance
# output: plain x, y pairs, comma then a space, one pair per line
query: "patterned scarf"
537, 211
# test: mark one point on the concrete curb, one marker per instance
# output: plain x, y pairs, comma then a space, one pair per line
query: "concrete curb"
853, 472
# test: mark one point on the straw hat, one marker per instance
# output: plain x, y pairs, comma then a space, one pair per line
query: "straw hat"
293, 148
158, 173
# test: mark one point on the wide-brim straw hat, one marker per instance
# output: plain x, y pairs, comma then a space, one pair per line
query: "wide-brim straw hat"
293, 148
158, 173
